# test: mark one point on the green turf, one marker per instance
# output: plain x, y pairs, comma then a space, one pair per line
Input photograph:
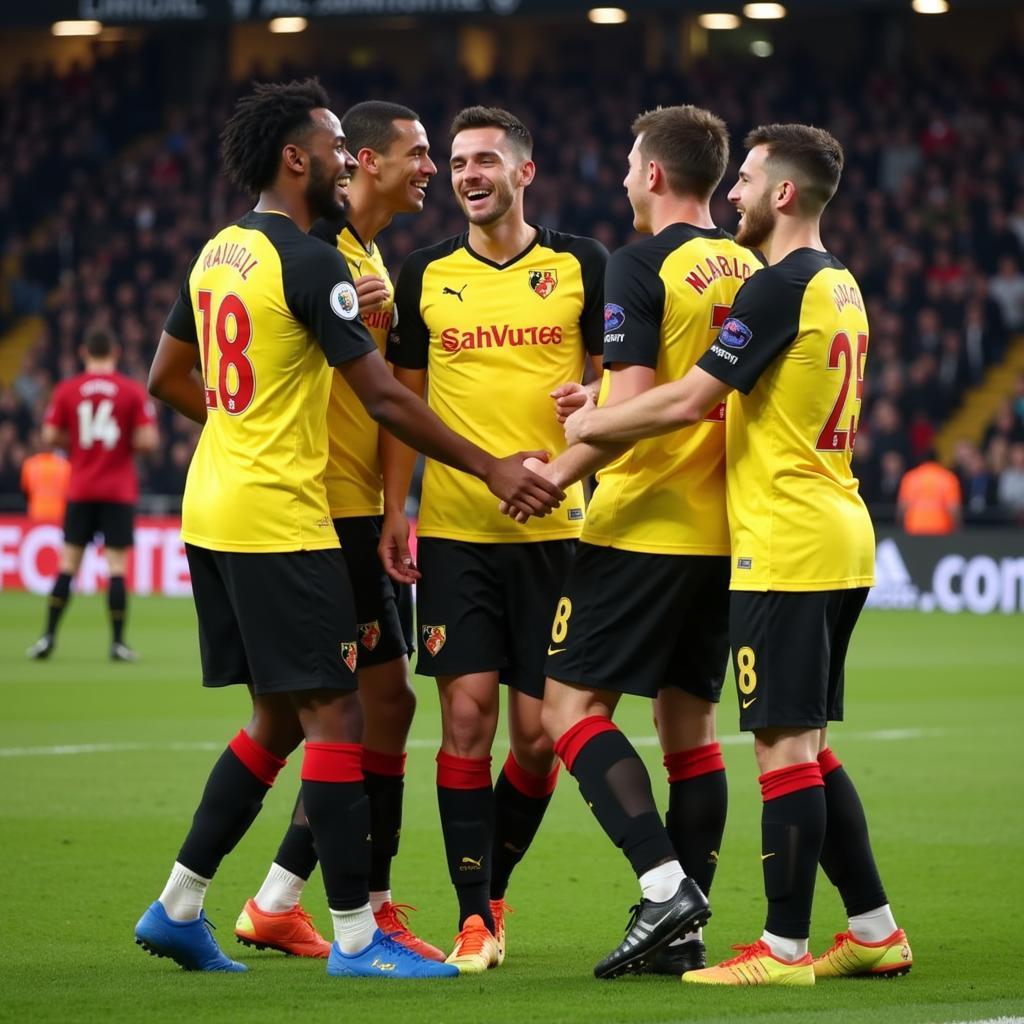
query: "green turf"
88, 837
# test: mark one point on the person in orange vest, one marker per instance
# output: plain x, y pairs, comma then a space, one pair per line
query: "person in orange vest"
45, 477
929, 499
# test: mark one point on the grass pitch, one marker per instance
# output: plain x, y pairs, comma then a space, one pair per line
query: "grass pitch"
101, 766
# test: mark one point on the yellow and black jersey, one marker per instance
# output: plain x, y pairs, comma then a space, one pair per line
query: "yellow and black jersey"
665, 299
265, 303
496, 339
353, 479
794, 347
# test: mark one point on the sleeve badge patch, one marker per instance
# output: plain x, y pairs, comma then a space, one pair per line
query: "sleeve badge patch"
344, 300
735, 333
614, 316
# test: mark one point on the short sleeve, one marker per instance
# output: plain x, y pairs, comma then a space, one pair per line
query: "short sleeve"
144, 412
762, 323
181, 321
321, 295
634, 308
409, 340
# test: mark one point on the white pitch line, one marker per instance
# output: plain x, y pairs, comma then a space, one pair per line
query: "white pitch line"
71, 749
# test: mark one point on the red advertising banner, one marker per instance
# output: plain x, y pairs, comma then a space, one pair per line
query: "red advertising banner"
29, 554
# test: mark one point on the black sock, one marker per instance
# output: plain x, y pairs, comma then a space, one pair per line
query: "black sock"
846, 855
696, 823
338, 812
466, 802
297, 853
231, 800
616, 786
59, 598
518, 811
117, 604
385, 793
792, 830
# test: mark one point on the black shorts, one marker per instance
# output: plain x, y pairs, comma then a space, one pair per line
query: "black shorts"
383, 607
280, 622
488, 607
635, 623
788, 654
114, 519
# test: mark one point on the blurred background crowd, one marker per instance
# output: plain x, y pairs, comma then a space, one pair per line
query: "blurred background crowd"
112, 182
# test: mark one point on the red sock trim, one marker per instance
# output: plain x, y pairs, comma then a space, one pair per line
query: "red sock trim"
790, 779
332, 762
575, 738
463, 772
688, 764
828, 761
259, 761
537, 787
379, 763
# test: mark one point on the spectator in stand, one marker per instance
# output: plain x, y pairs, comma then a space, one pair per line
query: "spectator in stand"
977, 485
1011, 484
1007, 288
929, 500
1005, 424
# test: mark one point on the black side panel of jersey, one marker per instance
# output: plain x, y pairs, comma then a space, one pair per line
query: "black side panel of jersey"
409, 340
764, 319
311, 272
181, 321
593, 258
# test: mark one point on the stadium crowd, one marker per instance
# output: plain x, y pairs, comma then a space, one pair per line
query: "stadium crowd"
109, 192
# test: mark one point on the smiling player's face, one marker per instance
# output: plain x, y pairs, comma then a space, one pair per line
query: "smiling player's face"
486, 172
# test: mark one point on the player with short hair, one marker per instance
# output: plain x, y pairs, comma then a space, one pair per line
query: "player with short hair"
645, 606
790, 360
497, 317
102, 419
394, 169
266, 311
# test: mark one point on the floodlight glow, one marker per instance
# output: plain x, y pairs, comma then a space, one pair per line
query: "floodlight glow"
282, 25
607, 15
719, 21
76, 28
764, 12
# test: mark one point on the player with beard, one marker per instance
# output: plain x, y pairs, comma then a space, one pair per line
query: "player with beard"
266, 311
790, 360
644, 609
498, 317
394, 169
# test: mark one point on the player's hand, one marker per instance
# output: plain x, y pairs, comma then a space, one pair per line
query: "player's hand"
393, 549
524, 491
575, 423
568, 398
542, 469
372, 291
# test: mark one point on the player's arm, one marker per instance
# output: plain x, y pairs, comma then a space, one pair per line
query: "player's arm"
145, 438
174, 378
662, 410
54, 433
53, 437
397, 463
320, 292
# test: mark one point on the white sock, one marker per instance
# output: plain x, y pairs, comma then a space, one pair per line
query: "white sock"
785, 949
874, 926
660, 883
697, 936
379, 898
280, 891
353, 929
184, 893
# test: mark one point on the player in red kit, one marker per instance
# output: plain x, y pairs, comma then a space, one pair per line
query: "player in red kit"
102, 418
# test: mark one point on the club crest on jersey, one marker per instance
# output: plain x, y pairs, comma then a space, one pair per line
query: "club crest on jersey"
543, 282
349, 654
344, 300
434, 638
369, 634
735, 333
614, 316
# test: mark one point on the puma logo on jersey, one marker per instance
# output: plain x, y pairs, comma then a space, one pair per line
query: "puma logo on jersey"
451, 291
471, 864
